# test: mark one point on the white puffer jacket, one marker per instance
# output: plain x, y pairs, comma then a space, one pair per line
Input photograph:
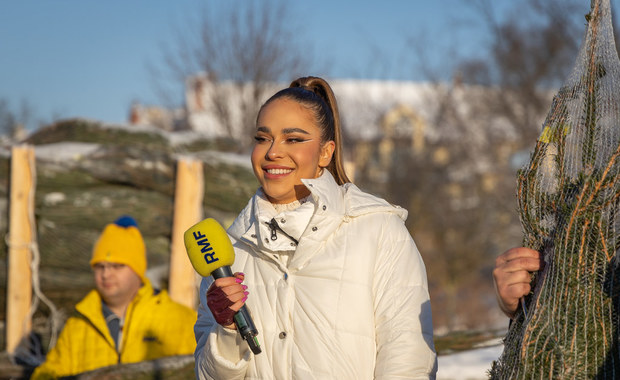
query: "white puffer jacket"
351, 304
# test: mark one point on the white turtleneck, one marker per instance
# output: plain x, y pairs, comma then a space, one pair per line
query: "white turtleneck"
300, 211
280, 207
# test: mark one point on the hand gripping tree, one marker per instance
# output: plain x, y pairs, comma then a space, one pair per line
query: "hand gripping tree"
569, 203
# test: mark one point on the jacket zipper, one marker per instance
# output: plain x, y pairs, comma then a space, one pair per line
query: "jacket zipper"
120, 338
274, 227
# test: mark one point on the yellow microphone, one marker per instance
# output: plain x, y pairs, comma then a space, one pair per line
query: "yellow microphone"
211, 253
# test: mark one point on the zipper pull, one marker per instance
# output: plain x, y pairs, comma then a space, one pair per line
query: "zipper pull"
273, 225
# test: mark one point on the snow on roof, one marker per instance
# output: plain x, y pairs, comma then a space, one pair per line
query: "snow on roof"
448, 111
363, 102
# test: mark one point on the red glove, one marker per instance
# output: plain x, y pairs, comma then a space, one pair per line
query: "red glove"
219, 304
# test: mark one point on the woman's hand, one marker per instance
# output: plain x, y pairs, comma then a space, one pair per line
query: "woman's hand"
225, 297
512, 276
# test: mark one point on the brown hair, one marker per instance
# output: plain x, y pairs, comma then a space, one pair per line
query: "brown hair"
316, 95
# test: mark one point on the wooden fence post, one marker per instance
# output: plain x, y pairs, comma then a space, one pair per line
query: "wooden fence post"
188, 199
21, 225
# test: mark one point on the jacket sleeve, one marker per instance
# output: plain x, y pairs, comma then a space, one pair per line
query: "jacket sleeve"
58, 360
178, 333
404, 329
220, 353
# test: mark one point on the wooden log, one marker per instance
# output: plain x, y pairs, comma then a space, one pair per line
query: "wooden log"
21, 225
179, 367
189, 193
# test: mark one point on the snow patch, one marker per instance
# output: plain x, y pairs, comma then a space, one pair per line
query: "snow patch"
54, 198
64, 151
221, 157
468, 365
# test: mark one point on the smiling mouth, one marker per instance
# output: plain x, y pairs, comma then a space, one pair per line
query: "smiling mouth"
278, 171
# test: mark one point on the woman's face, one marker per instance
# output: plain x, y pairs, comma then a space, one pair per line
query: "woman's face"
288, 148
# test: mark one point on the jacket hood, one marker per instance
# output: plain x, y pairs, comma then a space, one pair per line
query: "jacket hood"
353, 201
332, 203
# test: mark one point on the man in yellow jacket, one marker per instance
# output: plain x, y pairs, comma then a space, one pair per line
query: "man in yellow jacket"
124, 320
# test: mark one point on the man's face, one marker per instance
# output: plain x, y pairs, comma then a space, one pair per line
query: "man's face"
117, 283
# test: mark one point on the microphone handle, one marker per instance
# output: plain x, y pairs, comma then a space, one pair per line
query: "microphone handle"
242, 318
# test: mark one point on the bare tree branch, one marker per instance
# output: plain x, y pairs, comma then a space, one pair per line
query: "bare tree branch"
239, 49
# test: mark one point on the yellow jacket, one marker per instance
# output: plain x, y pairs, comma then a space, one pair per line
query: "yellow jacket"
155, 326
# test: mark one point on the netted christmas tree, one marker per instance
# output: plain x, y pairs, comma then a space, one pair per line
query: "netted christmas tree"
569, 204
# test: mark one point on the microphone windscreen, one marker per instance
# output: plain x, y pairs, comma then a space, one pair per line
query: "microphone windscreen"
208, 246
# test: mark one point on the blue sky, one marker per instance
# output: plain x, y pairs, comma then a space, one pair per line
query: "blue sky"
87, 58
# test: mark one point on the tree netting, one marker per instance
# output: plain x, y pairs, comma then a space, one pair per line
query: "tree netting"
568, 198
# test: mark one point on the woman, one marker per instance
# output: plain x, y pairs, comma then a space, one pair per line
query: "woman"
338, 287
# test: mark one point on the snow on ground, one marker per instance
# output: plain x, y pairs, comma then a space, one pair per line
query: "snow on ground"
65, 151
468, 365
225, 157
